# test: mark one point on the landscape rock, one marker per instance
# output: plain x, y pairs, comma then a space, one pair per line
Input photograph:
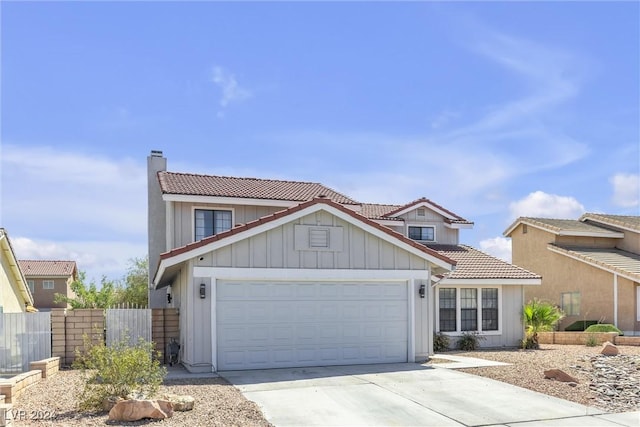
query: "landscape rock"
609, 349
134, 410
559, 375
180, 403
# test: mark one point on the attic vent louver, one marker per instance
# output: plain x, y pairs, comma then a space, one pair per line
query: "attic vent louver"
318, 238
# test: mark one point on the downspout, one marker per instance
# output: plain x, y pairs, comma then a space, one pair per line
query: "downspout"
615, 299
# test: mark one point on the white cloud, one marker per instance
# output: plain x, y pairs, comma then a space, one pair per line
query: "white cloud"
499, 247
231, 90
66, 204
626, 190
543, 205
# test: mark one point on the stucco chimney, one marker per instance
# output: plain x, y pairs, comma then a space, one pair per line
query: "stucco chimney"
156, 222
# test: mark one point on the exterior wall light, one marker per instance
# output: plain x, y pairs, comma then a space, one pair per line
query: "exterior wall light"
203, 291
421, 291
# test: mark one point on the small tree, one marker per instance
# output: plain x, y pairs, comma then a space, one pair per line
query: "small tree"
539, 316
135, 289
118, 371
89, 296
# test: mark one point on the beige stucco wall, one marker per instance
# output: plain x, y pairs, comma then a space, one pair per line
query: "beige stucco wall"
43, 298
10, 298
563, 274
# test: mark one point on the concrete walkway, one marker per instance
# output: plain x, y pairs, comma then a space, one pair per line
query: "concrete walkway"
459, 362
407, 395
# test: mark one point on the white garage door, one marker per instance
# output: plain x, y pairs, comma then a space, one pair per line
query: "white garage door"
277, 325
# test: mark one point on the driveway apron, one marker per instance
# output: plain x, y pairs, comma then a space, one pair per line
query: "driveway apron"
403, 394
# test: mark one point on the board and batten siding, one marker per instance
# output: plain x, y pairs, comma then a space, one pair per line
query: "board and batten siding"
444, 235
512, 327
276, 249
182, 232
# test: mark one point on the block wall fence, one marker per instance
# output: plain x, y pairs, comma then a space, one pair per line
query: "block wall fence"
69, 327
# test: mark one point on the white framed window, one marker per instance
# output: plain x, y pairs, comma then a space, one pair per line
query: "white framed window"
464, 309
422, 233
32, 285
208, 222
570, 303
420, 212
48, 284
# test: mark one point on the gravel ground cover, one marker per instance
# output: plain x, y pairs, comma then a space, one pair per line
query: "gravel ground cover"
609, 383
53, 402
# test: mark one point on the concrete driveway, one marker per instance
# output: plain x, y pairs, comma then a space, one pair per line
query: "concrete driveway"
409, 395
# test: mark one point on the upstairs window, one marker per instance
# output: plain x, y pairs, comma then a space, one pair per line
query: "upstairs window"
32, 285
425, 234
210, 222
48, 284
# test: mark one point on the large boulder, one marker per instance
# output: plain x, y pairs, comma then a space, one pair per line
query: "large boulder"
134, 410
609, 349
559, 375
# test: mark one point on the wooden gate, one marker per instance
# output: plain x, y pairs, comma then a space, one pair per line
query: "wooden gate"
128, 323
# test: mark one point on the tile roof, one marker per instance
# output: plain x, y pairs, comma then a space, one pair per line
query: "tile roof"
626, 263
475, 264
626, 221
296, 208
251, 188
378, 211
562, 226
47, 268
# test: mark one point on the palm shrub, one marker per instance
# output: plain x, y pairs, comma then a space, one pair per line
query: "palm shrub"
119, 370
539, 316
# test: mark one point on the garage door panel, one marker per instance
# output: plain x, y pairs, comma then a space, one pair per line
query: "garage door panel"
310, 324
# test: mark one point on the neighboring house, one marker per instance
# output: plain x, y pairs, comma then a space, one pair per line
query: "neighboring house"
14, 292
47, 278
270, 273
590, 266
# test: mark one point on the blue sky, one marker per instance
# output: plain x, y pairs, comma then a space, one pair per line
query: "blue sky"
493, 110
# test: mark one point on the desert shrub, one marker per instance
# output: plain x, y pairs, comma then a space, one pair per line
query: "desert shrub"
440, 342
470, 341
591, 340
119, 370
580, 325
603, 327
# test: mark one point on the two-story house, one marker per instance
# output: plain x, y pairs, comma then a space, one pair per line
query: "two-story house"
272, 273
47, 278
590, 266
14, 292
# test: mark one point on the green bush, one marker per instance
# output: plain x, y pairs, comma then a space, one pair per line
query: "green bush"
580, 325
440, 342
603, 327
470, 341
119, 370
